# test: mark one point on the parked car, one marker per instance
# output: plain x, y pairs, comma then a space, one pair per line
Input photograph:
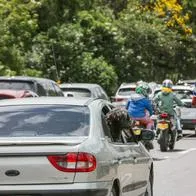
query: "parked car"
83, 90
123, 93
64, 146
10, 94
40, 86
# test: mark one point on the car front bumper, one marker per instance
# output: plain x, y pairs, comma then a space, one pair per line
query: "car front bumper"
75, 189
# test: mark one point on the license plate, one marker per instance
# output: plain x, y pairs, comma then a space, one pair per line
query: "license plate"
137, 132
163, 126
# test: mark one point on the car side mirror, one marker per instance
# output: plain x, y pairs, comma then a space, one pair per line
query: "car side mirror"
112, 98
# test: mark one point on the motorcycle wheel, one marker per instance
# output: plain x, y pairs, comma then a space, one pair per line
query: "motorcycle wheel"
172, 141
164, 141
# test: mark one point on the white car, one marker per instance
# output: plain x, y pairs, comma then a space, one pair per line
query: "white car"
123, 93
187, 115
183, 92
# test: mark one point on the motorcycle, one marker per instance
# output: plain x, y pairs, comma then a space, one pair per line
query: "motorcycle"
137, 129
167, 137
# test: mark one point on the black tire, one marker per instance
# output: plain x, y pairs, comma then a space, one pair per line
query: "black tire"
113, 191
172, 140
149, 189
164, 141
171, 146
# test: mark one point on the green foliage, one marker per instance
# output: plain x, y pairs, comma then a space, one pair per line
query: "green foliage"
100, 41
151, 51
96, 70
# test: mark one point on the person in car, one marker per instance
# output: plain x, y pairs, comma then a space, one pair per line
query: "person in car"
139, 106
165, 101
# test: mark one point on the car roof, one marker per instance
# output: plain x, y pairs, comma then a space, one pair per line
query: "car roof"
24, 78
47, 101
183, 87
79, 85
178, 87
126, 85
186, 81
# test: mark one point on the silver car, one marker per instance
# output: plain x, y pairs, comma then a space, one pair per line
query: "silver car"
123, 94
83, 90
63, 146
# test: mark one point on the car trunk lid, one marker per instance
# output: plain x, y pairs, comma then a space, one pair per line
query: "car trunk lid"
26, 160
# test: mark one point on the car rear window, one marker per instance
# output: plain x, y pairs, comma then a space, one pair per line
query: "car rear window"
17, 85
126, 91
76, 92
183, 94
44, 121
180, 93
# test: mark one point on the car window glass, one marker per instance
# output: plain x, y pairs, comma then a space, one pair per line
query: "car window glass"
51, 90
96, 93
106, 128
103, 94
126, 91
118, 122
180, 93
58, 90
110, 129
17, 85
40, 90
44, 121
183, 94
77, 92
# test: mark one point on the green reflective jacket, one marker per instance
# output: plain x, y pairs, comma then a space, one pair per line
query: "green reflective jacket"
166, 102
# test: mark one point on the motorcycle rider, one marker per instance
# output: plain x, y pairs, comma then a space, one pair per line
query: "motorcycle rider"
139, 106
165, 101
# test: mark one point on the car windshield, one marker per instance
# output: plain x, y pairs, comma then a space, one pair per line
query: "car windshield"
76, 92
126, 91
17, 85
44, 121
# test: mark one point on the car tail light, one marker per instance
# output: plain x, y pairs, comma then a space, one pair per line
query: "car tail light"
118, 99
194, 121
164, 115
73, 162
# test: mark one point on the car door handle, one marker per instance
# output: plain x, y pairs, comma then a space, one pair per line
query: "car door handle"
135, 160
115, 162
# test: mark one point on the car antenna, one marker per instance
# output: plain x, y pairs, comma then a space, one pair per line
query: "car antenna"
54, 58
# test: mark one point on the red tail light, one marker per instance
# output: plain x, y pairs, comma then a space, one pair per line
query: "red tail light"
73, 162
194, 121
118, 99
164, 115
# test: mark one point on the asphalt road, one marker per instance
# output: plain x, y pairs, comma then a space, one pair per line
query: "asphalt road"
175, 171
